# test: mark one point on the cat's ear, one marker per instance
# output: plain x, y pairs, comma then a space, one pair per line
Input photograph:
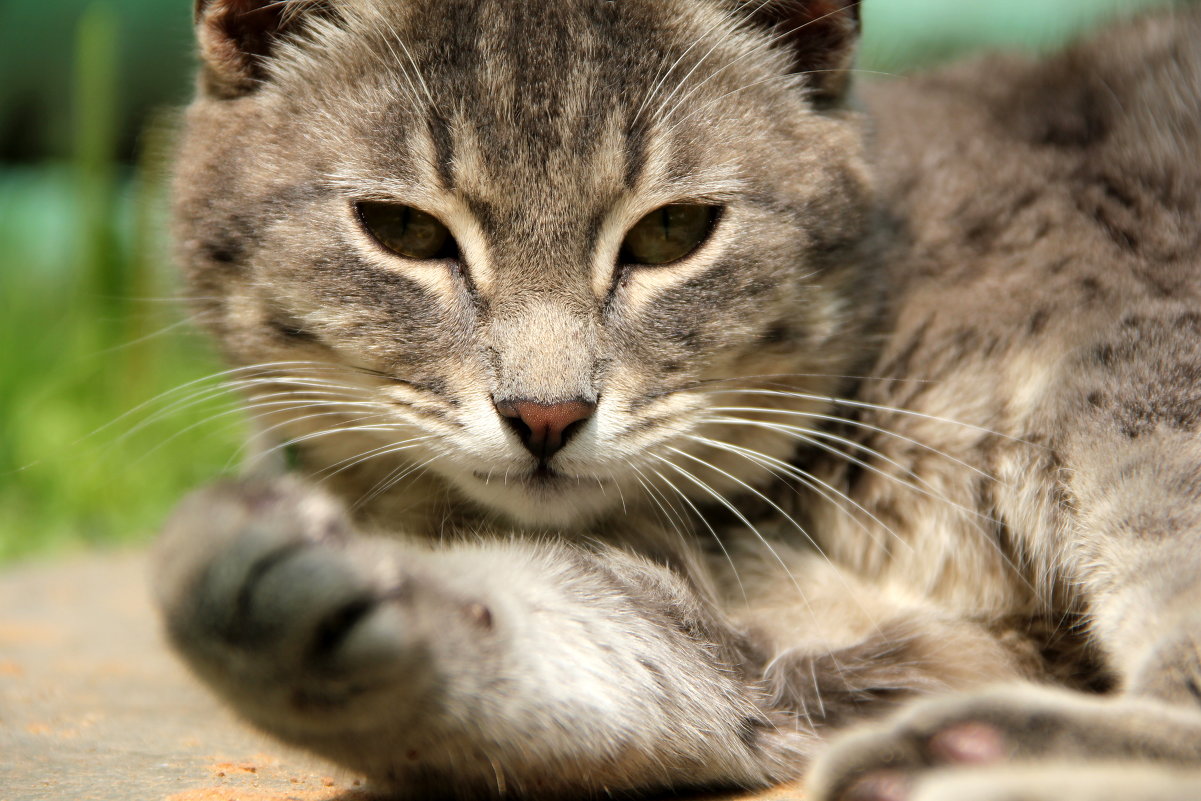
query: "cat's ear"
820, 34
236, 38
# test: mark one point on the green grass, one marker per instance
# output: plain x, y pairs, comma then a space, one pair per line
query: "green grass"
89, 335
88, 339
87, 319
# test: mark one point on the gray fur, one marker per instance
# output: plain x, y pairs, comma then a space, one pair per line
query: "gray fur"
1048, 293
653, 614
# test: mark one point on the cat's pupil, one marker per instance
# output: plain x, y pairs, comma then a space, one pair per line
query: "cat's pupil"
407, 231
668, 234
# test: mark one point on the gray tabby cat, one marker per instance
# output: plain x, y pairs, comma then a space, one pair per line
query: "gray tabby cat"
564, 300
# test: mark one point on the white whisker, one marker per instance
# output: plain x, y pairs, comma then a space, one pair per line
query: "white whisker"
857, 424
786, 470
737, 513
864, 405
704, 521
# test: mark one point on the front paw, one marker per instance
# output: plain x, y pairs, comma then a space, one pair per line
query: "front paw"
908, 757
302, 627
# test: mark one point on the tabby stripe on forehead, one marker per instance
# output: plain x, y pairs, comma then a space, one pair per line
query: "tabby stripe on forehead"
635, 153
440, 136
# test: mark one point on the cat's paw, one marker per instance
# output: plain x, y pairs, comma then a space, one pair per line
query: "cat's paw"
969, 737
1043, 782
305, 629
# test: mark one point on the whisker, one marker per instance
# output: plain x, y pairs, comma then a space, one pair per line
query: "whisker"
168, 393
802, 433
755, 51
187, 321
816, 546
391, 480
705, 383
779, 466
292, 421
817, 443
724, 20
325, 432
671, 518
705, 522
202, 397
878, 407
788, 76
858, 424
741, 517
383, 450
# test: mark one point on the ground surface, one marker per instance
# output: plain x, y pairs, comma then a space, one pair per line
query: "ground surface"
94, 708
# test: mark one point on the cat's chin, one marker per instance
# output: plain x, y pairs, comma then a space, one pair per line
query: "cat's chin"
543, 500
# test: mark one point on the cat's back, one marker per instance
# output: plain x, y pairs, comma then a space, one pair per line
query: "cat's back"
1094, 151
1047, 250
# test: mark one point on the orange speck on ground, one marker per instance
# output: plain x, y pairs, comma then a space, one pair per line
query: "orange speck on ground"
226, 768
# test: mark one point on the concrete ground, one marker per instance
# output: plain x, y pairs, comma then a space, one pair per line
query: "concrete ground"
94, 708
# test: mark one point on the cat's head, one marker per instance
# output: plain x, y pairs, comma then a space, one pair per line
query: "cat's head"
534, 248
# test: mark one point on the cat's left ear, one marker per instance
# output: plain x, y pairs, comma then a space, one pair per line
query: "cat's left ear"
821, 35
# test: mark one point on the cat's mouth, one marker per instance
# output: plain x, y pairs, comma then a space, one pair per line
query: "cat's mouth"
541, 476
543, 496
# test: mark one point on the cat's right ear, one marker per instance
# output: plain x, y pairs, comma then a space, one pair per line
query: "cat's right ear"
820, 34
236, 39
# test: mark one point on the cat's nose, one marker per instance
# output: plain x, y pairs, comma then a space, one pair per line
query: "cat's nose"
544, 428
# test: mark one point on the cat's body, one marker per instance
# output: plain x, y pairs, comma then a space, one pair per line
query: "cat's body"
1048, 294
599, 574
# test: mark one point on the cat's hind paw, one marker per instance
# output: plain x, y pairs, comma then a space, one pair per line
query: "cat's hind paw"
1042, 782
969, 740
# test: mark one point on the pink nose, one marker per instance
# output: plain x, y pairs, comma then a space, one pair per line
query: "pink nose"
544, 428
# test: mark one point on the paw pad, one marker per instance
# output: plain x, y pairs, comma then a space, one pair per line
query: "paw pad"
881, 785
969, 744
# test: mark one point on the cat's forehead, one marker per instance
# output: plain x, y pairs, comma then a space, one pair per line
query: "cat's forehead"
493, 97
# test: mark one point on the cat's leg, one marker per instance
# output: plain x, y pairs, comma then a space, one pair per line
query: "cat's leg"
468, 670
842, 649
1137, 558
533, 668
1131, 547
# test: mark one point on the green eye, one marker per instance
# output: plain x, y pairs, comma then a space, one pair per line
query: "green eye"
407, 231
668, 234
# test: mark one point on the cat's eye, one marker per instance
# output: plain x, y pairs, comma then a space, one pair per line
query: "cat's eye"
407, 231
668, 234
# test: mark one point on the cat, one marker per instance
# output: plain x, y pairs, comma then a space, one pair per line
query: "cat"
655, 410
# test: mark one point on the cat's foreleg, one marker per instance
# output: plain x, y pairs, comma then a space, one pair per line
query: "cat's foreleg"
1138, 561
472, 669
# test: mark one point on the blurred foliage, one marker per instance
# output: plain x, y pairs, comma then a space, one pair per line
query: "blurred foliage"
901, 35
106, 414
153, 59
89, 325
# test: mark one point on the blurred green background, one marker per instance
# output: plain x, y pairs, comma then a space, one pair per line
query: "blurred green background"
108, 408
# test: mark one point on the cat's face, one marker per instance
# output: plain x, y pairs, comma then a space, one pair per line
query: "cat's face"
529, 247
